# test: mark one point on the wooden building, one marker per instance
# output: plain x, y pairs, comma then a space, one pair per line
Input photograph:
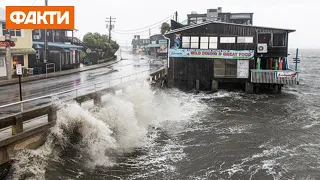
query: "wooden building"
62, 53
217, 52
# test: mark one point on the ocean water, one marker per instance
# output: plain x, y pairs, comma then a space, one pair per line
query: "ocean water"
169, 134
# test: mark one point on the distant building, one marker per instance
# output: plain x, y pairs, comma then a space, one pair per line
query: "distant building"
158, 46
138, 43
218, 15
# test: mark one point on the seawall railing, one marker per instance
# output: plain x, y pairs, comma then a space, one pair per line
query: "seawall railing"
19, 112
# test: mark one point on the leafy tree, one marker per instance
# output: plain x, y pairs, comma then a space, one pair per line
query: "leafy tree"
165, 27
101, 41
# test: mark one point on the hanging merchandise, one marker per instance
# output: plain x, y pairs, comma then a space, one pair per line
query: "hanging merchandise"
271, 64
275, 64
258, 63
280, 64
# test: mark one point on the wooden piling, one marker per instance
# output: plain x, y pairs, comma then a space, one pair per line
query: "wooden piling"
197, 86
249, 88
214, 87
97, 99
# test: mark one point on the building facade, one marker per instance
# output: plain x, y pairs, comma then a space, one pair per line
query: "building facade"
62, 53
20, 52
218, 52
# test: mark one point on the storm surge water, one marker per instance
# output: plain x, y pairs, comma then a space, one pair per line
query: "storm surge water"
92, 138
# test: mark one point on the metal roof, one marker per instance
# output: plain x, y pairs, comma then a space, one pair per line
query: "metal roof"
216, 22
59, 45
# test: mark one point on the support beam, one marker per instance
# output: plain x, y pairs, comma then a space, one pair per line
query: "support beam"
214, 87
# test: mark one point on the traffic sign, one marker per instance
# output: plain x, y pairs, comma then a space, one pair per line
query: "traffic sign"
88, 51
19, 69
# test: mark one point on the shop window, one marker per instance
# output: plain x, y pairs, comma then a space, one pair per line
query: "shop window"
195, 42
227, 39
213, 42
208, 42
18, 60
204, 42
279, 39
185, 41
245, 40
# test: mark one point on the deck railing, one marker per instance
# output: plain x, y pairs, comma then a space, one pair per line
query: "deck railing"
285, 77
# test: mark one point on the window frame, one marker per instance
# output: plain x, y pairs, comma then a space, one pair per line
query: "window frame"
245, 40
234, 40
209, 42
183, 42
190, 42
285, 40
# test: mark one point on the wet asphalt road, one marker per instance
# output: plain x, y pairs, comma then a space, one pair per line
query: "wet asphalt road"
132, 63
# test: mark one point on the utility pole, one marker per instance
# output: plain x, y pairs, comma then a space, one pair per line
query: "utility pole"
149, 32
8, 56
110, 21
176, 16
45, 39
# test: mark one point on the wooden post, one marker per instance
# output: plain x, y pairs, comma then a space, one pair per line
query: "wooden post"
214, 86
52, 114
197, 86
17, 127
97, 100
249, 88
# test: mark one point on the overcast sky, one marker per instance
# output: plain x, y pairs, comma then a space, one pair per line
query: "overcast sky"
301, 15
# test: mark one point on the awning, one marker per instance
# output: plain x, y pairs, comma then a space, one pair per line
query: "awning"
58, 45
19, 51
155, 45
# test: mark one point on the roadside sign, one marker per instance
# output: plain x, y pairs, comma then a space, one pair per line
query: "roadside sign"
4, 43
88, 51
19, 69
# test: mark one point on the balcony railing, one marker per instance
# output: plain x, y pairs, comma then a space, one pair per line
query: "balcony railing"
286, 77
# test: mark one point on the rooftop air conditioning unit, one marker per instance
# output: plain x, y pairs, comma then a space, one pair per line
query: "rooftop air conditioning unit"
262, 48
36, 37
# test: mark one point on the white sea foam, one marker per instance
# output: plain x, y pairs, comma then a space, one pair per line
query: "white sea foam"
120, 126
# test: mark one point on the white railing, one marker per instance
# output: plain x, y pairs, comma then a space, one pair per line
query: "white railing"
50, 66
79, 91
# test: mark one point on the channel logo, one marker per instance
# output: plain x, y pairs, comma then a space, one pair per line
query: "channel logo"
40, 17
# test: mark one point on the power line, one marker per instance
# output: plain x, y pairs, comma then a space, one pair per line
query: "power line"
147, 30
164, 20
34, 2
